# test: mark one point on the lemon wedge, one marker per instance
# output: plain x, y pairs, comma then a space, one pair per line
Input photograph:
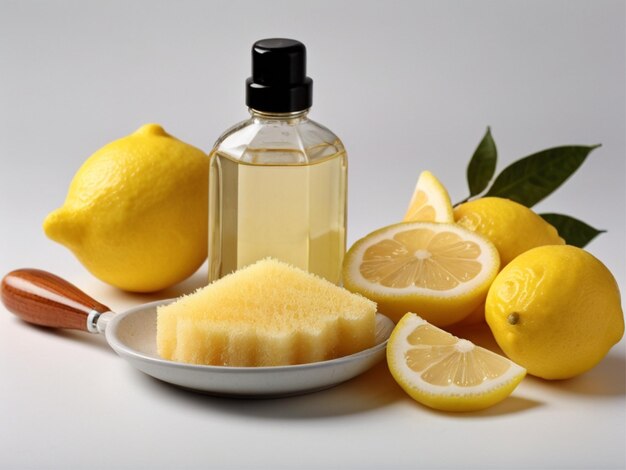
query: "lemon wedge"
430, 201
447, 373
441, 271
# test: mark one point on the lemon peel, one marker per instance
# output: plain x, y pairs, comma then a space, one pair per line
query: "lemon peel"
135, 214
556, 310
512, 227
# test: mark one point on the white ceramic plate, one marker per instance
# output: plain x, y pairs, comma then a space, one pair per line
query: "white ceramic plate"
132, 335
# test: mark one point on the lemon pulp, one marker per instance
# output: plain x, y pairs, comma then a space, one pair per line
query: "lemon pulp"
442, 271
423, 258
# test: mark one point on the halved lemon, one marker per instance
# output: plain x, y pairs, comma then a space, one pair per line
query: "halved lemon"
440, 271
447, 373
430, 201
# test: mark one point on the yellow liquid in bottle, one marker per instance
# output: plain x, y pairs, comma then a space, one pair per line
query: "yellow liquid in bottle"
294, 212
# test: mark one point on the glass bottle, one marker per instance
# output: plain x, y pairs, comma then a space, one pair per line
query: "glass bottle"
277, 183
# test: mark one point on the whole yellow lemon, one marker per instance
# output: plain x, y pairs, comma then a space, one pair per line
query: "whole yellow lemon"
511, 227
135, 214
555, 310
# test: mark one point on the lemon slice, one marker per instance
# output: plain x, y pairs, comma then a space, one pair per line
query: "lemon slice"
445, 372
430, 201
441, 271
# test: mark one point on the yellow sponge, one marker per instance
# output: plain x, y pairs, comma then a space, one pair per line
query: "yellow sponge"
266, 314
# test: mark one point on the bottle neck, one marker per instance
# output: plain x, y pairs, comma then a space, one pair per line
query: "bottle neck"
292, 118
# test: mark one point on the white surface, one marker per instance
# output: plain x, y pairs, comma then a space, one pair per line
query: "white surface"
408, 86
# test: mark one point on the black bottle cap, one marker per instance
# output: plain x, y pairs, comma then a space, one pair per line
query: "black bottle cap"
279, 83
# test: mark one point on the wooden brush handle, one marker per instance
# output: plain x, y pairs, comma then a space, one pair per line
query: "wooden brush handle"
44, 299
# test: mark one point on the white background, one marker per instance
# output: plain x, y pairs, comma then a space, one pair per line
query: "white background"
408, 86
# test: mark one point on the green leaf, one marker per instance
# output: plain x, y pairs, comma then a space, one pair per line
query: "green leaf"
574, 231
532, 178
482, 165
